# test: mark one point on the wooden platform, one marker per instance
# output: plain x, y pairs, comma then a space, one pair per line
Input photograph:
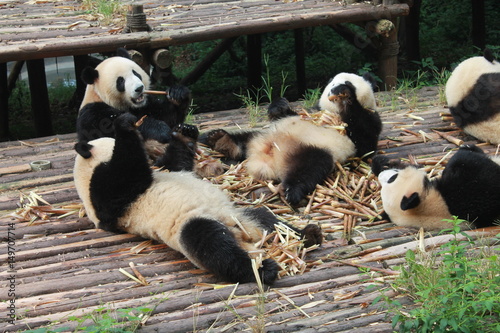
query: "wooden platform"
62, 267
43, 29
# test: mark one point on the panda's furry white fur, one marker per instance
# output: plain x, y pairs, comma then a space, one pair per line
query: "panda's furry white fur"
468, 188
473, 96
116, 85
364, 90
299, 153
121, 193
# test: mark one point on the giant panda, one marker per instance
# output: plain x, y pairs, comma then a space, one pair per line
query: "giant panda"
473, 96
299, 153
120, 192
117, 85
468, 188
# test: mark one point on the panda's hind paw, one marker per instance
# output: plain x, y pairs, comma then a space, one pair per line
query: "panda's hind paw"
312, 235
269, 271
214, 136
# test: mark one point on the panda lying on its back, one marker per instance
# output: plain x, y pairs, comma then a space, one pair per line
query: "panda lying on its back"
473, 95
116, 86
299, 153
120, 192
469, 188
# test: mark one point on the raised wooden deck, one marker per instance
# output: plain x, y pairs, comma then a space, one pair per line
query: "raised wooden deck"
43, 29
63, 267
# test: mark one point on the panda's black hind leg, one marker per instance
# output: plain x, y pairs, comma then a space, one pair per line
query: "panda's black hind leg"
181, 150
311, 234
232, 145
211, 245
308, 166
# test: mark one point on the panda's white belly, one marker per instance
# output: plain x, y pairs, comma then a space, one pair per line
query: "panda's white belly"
173, 199
267, 153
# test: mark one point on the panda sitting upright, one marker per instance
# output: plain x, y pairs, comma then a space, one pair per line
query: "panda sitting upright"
468, 188
300, 153
116, 86
120, 192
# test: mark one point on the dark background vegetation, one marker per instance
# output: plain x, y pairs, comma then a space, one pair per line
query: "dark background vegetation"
445, 39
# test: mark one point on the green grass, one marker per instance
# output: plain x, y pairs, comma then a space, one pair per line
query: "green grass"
455, 289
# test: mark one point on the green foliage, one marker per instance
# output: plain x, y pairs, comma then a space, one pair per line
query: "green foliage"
311, 97
104, 9
454, 291
105, 321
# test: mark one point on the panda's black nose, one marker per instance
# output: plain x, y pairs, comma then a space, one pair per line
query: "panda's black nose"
139, 89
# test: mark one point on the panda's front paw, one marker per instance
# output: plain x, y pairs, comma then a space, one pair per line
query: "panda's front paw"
126, 122
179, 94
190, 131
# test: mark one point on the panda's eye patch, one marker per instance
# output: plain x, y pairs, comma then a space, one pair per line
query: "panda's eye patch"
137, 74
120, 84
392, 179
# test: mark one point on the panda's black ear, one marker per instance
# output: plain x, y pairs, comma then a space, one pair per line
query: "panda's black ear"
89, 75
410, 202
83, 148
488, 55
122, 52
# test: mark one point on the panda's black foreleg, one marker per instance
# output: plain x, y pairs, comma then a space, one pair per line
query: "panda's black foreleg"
232, 145
211, 245
311, 234
307, 167
363, 125
181, 150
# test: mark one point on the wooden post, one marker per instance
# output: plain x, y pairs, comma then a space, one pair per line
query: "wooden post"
300, 67
4, 103
254, 61
389, 50
388, 54
39, 97
80, 62
478, 24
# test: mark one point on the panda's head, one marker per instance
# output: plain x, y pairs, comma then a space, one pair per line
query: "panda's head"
465, 75
364, 86
90, 155
403, 186
117, 81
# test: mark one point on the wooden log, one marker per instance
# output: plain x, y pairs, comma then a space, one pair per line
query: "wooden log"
4, 103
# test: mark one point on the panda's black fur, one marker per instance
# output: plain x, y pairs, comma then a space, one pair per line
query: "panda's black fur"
108, 96
120, 192
473, 95
468, 188
298, 153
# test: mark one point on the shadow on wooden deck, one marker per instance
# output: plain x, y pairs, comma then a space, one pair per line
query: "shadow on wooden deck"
63, 267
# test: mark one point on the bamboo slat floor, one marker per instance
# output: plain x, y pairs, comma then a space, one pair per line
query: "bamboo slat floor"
61, 267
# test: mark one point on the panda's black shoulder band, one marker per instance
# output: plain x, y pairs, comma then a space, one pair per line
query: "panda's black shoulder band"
83, 148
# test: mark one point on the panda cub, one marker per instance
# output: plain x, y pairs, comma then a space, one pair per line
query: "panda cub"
299, 153
468, 188
120, 192
473, 96
117, 86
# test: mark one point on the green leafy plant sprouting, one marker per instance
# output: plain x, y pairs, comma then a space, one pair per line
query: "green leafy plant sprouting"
454, 290
311, 97
104, 320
